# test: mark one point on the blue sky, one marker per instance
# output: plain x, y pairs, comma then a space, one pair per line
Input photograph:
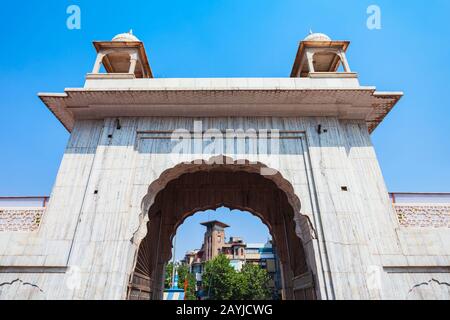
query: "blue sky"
229, 38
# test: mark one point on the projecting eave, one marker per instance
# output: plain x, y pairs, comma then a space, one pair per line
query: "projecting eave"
55, 103
223, 98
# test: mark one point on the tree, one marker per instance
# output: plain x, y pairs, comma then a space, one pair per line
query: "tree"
183, 271
222, 282
184, 276
169, 275
252, 283
218, 279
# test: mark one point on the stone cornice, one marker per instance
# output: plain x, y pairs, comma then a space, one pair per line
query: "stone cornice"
105, 98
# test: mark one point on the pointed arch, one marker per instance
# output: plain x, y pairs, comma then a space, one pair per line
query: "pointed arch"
188, 188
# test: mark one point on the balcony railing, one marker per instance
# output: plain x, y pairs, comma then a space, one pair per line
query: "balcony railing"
24, 202
420, 197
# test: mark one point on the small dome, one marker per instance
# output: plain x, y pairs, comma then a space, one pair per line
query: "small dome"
126, 37
317, 37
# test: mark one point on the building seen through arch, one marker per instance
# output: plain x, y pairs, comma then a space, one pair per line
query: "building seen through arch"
238, 251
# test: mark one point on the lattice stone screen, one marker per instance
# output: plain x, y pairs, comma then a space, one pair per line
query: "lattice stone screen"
20, 219
409, 216
423, 216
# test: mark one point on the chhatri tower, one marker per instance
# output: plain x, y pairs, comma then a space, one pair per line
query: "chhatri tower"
145, 153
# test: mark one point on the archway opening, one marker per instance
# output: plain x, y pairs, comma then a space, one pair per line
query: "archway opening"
199, 190
241, 238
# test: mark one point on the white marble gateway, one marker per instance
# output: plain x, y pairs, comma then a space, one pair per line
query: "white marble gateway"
119, 161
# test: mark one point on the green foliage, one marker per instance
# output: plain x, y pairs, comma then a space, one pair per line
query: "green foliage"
218, 279
222, 282
190, 293
252, 283
168, 277
183, 271
183, 274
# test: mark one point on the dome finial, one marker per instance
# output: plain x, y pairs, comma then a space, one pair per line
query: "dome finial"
317, 37
310, 31
126, 37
